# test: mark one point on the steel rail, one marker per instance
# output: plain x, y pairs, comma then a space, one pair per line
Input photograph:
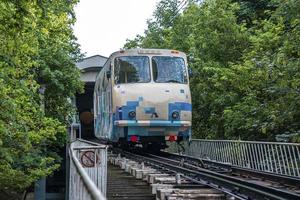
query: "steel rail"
265, 190
283, 179
228, 184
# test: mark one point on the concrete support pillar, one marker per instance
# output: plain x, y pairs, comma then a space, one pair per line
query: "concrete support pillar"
40, 189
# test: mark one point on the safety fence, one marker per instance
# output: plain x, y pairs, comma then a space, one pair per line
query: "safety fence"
88, 170
273, 157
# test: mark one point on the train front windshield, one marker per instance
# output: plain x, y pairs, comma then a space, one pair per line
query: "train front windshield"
132, 69
136, 69
168, 69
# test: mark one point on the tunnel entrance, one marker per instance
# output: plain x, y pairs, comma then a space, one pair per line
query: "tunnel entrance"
89, 68
84, 105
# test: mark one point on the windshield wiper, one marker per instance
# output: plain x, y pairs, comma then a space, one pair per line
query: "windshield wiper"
173, 81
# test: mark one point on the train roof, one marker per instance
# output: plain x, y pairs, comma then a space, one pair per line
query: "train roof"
140, 51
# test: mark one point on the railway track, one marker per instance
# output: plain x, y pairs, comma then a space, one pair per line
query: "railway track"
162, 184
232, 181
120, 185
279, 181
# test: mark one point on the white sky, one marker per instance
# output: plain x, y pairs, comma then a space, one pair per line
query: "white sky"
103, 26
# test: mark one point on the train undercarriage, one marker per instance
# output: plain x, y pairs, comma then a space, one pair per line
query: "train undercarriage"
153, 143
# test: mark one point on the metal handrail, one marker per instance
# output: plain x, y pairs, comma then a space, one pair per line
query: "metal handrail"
90, 185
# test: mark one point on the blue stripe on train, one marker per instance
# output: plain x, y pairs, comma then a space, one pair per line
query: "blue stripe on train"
130, 106
149, 110
179, 106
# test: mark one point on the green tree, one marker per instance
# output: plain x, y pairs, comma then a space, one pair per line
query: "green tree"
209, 32
159, 28
253, 10
269, 78
246, 59
37, 46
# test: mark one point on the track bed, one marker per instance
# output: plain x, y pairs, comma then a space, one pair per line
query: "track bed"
121, 185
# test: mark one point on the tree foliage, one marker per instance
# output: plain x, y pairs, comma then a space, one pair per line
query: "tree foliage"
37, 47
246, 60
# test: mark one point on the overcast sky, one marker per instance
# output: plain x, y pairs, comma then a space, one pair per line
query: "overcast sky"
103, 26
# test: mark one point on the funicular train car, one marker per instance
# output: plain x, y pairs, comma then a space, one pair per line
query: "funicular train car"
142, 96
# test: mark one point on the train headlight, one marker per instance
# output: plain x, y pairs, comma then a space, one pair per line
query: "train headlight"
132, 114
175, 115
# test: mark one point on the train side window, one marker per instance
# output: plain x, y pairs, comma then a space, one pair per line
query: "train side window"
95, 103
103, 81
